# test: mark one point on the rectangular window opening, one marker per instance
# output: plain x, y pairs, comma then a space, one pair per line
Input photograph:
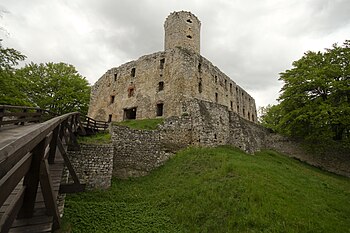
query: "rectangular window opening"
200, 88
160, 109
112, 99
231, 105
115, 76
109, 117
199, 67
160, 86
231, 87
216, 97
161, 65
130, 114
133, 72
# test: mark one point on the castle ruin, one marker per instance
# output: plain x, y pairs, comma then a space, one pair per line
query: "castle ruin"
158, 84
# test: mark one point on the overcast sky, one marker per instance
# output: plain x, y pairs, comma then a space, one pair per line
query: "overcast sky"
251, 41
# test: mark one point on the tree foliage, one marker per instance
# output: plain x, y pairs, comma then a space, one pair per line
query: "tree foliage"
11, 85
57, 87
315, 99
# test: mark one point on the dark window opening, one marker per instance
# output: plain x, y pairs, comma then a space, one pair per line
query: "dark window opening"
160, 86
231, 105
248, 115
189, 21
133, 72
160, 109
253, 119
115, 76
237, 89
216, 97
243, 112
162, 61
188, 36
215, 136
216, 79
199, 67
130, 114
131, 92
200, 88
109, 117
238, 108
242, 93
231, 87
112, 99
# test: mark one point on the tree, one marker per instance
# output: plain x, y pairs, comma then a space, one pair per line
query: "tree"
11, 85
270, 116
57, 87
315, 99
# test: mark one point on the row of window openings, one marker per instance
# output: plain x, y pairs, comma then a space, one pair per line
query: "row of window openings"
133, 70
130, 114
200, 88
131, 92
231, 106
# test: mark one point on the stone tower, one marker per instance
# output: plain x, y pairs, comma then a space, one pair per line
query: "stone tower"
182, 29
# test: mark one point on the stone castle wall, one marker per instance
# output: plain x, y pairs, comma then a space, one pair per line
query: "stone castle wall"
93, 165
184, 76
137, 152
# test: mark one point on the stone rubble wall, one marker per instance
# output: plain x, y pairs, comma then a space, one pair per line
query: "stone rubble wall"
93, 165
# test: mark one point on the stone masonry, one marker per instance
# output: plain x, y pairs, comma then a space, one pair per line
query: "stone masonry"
93, 165
157, 85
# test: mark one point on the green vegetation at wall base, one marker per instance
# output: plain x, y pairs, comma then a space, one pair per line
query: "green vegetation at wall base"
144, 124
99, 138
218, 190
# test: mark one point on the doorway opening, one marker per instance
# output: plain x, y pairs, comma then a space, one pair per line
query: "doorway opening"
129, 113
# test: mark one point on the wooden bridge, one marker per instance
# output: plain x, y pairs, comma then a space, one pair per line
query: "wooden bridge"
33, 153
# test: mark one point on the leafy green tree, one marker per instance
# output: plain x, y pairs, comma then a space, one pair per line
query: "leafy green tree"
270, 116
57, 87
11, 85
315, 99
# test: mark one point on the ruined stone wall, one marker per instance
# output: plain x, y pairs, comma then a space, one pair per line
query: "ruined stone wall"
184, 75
93, 165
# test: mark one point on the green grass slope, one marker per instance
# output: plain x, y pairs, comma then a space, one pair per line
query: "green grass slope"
217, 190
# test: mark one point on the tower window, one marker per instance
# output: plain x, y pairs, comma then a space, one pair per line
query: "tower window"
199, 67
161, 65
231, 87
133, 71
160, 86
225, 84
160, 109
200, 88
231, 105
112, 99
216, 79
216, 97
115, 76
189, 21
189, 36
131, 92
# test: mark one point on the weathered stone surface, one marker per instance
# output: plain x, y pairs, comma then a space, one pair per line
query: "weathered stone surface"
93, 165
168, 78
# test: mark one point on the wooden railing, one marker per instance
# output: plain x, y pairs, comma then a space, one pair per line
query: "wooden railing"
22, 114
26, 159
94, 125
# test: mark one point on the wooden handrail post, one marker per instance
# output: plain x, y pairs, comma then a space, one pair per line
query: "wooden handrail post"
2, 111
53, 145
31, 180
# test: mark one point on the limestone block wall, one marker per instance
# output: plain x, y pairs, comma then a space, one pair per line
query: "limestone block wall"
93, 165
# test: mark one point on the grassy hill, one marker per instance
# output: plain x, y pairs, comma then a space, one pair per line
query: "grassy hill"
217, 190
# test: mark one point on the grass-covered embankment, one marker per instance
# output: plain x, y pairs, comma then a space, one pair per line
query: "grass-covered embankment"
143, 124
217, 190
